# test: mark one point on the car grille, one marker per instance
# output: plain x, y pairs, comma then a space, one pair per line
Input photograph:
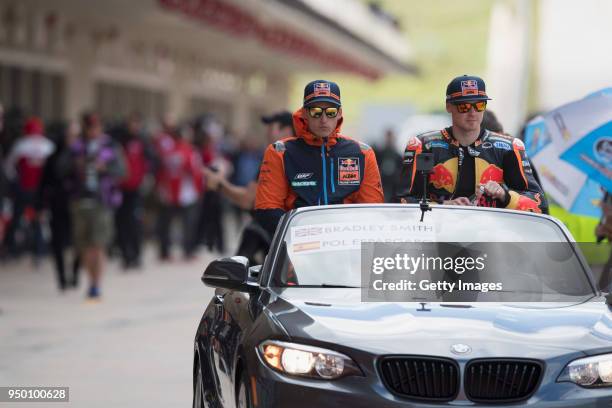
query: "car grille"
501, 380
423, 378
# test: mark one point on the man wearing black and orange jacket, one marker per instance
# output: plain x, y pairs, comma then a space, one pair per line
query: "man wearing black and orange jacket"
471, 165
318, 166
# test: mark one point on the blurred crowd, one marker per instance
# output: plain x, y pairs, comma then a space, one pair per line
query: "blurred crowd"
83, 190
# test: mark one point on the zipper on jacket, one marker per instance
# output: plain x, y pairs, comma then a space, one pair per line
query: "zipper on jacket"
459, 165
323, 156
331, 175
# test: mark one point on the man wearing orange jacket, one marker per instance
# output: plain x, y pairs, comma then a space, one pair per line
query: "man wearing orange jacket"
318, 166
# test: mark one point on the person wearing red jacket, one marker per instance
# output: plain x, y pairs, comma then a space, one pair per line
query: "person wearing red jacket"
128, 217
318, 166
24, 165
210, 227
179, 187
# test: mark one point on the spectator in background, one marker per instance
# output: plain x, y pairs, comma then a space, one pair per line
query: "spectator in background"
602, 232
97, 167
389, 163
492, 124
179, 186
278, 125
1, 125
247, 162
255, 240
210, 225
604, 228
128, 217
53, 193
3, 181
24, 167
13, 122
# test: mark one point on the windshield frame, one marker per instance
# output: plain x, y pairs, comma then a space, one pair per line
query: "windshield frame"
283, 227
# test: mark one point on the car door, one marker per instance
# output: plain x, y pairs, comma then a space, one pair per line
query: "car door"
232, 309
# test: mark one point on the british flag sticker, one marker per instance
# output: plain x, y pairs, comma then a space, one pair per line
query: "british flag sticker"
469, 87
321, 89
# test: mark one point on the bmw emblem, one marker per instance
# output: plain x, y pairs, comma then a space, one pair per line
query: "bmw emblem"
460, 348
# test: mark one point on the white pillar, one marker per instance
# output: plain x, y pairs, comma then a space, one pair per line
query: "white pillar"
241, 115
508, 62
178, 97
80, 86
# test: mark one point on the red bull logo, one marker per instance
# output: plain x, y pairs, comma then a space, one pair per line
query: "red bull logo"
527, 204
492, 173
322, 89
348, 162
469, 87
442, 178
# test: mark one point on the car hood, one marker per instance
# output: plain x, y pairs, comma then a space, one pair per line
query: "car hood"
526, 330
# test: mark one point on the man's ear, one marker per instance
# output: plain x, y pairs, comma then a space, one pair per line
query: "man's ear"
448, 107
304, 114
339, 112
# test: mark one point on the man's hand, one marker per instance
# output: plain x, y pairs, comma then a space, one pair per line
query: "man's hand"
492, 189
213, 178
458, 201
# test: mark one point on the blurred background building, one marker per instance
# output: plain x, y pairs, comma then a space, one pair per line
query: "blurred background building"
233, 59
238, 59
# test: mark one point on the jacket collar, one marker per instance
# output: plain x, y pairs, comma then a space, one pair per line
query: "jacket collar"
448, 135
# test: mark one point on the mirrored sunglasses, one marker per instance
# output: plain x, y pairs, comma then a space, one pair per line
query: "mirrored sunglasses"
316, 112
465, 107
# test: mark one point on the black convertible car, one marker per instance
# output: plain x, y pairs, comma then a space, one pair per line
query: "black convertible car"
310, 328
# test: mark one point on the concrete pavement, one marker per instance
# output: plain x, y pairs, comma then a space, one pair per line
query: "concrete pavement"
133, 349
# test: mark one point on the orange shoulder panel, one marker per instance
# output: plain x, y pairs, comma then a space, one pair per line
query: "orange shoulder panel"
272, 186
370, 190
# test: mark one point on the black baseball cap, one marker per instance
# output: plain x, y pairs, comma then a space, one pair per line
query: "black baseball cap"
321, 91
466, 88
284, 118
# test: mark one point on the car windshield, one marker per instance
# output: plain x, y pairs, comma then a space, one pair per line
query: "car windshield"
323, 248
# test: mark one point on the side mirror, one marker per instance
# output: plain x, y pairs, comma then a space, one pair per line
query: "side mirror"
254, 272
229, 273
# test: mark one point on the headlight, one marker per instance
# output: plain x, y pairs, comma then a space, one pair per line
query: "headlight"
589, 372
307, 361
